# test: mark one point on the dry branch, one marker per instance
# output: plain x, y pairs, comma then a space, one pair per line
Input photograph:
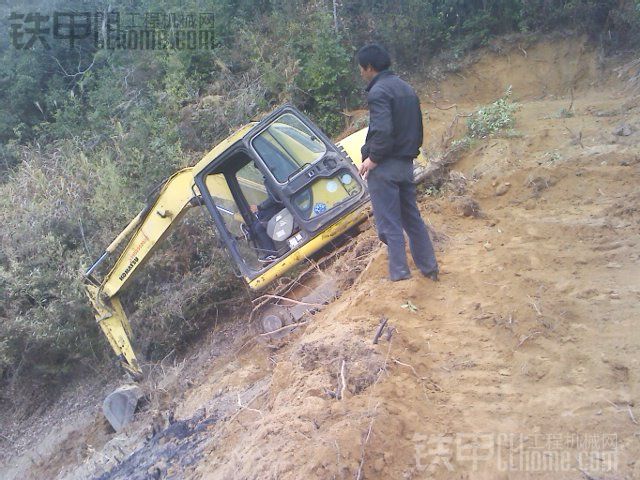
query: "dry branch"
527, 337
364, 443
282, 329
535, 306
633, 419
297, 302
343, 380
244, 407
383, 324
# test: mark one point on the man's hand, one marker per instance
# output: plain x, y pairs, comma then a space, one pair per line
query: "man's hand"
366, 166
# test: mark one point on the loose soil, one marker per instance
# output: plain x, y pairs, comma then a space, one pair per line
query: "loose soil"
522, 362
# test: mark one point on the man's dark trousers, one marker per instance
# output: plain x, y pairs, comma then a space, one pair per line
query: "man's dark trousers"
393, 196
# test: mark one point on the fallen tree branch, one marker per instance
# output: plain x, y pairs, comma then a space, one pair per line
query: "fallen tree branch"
633, 419
409, 366
245, 407
527, 337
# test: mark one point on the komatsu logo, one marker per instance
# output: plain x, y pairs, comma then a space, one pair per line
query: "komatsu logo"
127, 270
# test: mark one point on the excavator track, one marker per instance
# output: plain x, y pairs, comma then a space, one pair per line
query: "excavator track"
279, 312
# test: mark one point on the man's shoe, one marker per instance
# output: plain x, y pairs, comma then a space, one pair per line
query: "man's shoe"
433, 275
399, 278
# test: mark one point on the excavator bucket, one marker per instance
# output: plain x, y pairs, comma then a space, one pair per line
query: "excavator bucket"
120, 405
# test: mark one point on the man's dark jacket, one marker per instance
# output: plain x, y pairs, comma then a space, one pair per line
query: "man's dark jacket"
395, 119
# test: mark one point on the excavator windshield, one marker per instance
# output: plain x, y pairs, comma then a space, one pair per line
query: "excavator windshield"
287, 146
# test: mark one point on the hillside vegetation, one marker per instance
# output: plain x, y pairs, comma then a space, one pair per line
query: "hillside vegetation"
86, 133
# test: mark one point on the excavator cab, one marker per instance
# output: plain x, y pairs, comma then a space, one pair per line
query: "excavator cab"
271, 192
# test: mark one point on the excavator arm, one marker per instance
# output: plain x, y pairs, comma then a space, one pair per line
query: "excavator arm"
146, 231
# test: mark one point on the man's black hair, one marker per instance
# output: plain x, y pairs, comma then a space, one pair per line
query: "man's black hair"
374, 55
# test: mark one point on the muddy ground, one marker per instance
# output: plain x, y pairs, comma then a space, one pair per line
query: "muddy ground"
522, 362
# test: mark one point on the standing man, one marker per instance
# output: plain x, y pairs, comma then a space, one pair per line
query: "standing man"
393, 141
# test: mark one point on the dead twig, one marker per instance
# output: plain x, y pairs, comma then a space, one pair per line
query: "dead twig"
84, 240
343, 380
267, 297
527, 337
245, 407
444, 108
466, 363
282, 329
576, 138
297, 302
534, 305
409, 366
571, 104
363, 271
614, 405
633, 419
390, 331
628, 410
384, 365
422, 379
383, 324
263, 300
335, 442
447, 136
364, 443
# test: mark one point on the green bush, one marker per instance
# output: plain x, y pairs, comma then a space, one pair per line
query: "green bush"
325, 75
492, 118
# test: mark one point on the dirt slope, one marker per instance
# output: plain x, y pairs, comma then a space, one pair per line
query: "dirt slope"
522, 362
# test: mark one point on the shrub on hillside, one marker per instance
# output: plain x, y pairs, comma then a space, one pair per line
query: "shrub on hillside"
492, 118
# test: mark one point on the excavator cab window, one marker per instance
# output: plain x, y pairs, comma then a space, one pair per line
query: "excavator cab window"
288, 146
231, 214
237, 189
307, 167
263, 206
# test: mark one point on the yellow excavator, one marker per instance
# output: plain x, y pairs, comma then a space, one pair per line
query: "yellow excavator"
285, 161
